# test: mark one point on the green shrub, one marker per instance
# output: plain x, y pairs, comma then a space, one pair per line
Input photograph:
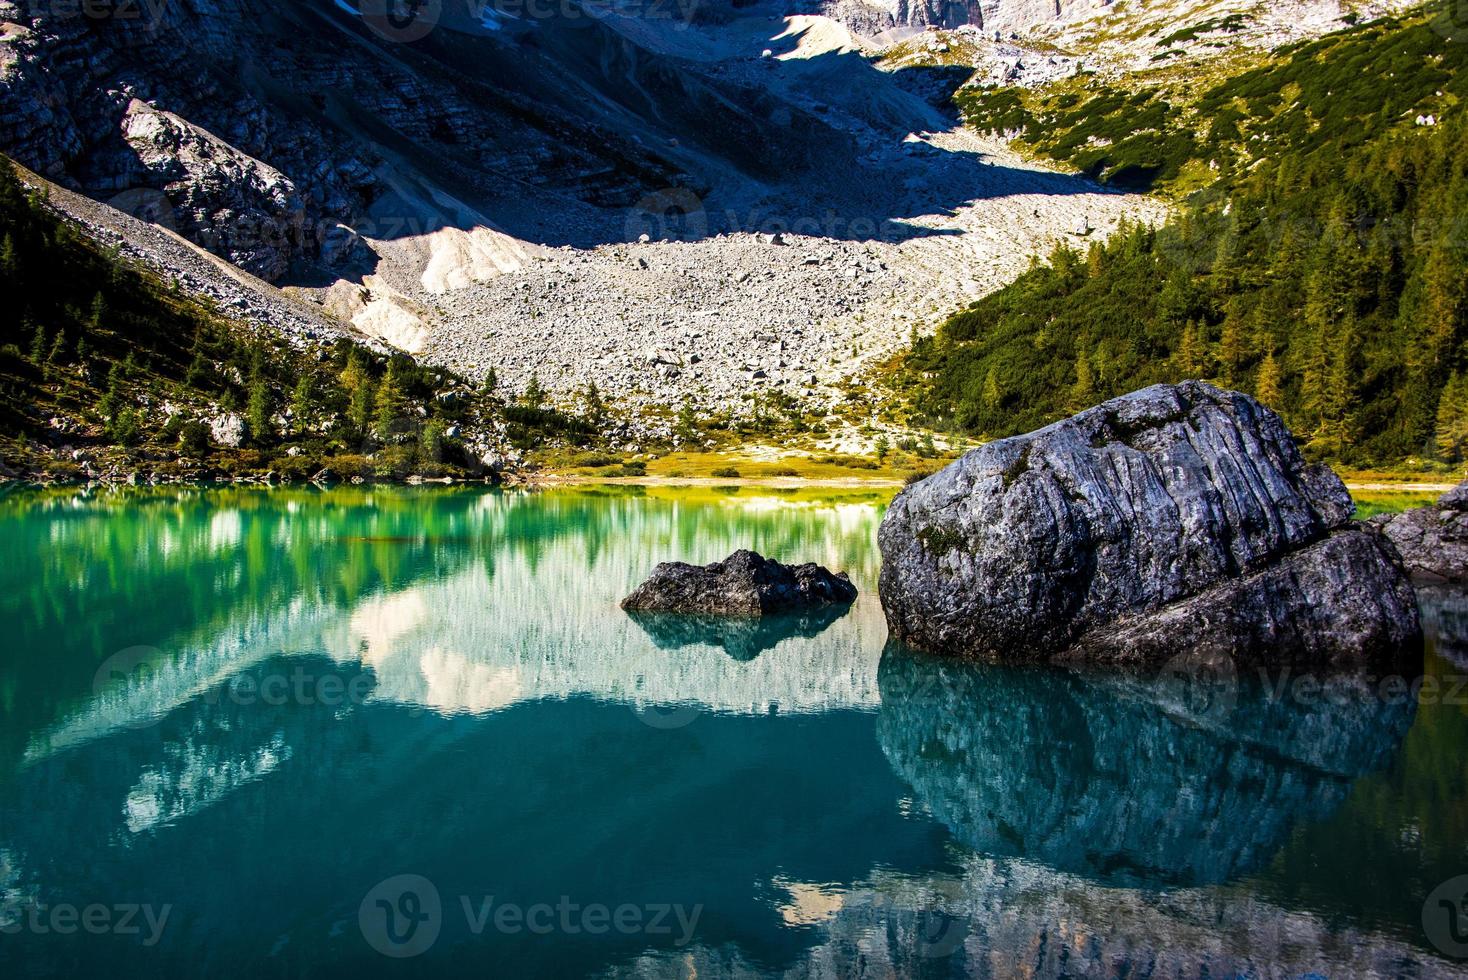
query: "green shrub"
348, 465
193, 438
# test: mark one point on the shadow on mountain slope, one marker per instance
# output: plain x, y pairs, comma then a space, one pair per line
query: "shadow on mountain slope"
280, 135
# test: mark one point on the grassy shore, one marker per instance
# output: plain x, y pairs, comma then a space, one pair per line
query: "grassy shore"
1375, 491
756, 465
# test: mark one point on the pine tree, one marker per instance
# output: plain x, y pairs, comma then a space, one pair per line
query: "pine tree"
1268, 386
990, 396
120, 421
197, 372
1192, 357
354, 372
111, 401
1320, 313
1224, 270
1451, 437
686, 428
430, 443
98, 315
58, 348
126, 428
1177, 299
303, 406
390, 408
357, 381
593, 407
491, 382
1083, 392
193, 439
1231, 349
9, 260
1442, 293
1339, 397
534, 396
1095, 260
258, 411
359, 408
39, 345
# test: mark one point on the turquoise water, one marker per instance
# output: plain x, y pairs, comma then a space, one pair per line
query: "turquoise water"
408, 732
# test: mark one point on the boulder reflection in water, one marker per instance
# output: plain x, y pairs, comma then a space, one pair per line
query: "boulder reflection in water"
1130, 779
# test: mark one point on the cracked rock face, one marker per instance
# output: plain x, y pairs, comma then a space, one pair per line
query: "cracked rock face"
235, 205
1178, 517
1433, 541
744, 584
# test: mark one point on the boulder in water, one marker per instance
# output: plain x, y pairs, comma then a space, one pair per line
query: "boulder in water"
1178, 517
744, 584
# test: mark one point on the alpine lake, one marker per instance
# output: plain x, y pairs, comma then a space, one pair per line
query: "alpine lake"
379, 731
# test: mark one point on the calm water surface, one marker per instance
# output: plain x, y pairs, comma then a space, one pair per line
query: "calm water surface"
408, 732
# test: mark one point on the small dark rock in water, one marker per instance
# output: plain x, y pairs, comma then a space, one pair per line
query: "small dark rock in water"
1179, 517
744, 584
1433, 541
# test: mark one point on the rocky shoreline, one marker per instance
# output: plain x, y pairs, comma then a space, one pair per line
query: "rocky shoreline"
1433, 541
85, 468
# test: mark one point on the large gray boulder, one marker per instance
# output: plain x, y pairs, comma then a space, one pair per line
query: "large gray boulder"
1433, 541
744, 584
1179, 517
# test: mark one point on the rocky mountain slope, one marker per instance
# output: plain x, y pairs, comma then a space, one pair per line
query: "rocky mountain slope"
1033, 44
671, 200
474, 186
